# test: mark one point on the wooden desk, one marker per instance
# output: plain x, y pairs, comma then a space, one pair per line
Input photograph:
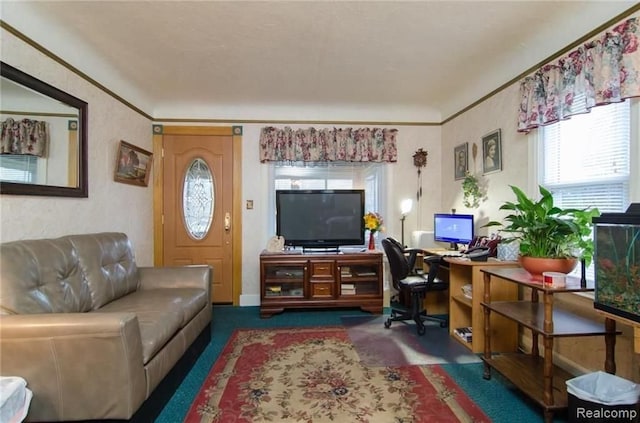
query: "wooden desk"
537, 377
467, 312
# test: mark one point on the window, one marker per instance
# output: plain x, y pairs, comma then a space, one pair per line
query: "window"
19, 168
586, 160
367, 176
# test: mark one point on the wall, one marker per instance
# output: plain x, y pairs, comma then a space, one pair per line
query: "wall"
110, 206
498, 112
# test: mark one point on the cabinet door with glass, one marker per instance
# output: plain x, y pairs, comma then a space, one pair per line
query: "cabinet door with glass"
359, 278
283, 280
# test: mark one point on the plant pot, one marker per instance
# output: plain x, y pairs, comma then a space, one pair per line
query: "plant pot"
536, 265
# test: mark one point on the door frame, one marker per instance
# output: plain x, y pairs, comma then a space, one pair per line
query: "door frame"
236, 211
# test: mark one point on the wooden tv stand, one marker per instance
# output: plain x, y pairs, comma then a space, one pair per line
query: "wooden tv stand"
320, 280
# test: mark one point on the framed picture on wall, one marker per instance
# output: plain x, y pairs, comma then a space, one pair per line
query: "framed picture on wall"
492, 152
461, 160
133, 165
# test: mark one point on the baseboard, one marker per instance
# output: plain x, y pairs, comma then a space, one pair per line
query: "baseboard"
250, 300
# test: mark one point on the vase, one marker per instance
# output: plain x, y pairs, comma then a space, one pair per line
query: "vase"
536, 265
372, 241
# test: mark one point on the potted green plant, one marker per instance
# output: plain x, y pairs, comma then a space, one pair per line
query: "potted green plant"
472, 194
546, 231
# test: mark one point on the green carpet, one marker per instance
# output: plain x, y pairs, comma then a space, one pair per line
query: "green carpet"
498, 398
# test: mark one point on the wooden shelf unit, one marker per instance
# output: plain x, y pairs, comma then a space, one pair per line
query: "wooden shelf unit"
467, 312
320, 280
534, 375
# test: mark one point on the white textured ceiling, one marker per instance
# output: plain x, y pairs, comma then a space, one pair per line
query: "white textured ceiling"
306, 60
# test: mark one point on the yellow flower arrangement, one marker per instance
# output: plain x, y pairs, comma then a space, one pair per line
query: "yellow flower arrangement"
373, 222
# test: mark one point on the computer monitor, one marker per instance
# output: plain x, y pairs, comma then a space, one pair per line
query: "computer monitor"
453, 228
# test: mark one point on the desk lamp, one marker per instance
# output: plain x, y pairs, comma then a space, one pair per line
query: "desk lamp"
405, 208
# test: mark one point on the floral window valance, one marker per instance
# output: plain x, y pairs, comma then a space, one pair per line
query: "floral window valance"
24, 136
604, 70
328, 145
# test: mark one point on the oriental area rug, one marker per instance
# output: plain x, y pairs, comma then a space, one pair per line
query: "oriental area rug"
316, 375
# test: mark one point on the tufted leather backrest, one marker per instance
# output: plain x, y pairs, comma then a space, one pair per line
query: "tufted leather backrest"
108, 263
72, 274
42, 276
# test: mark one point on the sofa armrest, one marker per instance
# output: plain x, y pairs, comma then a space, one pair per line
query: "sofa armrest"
78, 365
198, 276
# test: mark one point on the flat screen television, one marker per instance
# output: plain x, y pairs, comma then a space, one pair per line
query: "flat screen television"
320, 218
453, 228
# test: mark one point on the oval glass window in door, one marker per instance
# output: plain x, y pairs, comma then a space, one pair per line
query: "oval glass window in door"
198, 199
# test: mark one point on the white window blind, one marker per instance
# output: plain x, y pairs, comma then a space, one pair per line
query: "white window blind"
586, 159
18, 168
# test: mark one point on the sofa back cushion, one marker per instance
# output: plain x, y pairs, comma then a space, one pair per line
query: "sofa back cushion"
108, 263
42, 276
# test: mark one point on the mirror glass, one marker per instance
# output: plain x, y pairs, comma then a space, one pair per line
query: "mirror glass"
43, 144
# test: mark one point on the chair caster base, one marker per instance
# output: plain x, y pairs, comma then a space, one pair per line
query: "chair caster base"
421, 330
387, 324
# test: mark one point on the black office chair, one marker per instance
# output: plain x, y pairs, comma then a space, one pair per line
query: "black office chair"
413, 284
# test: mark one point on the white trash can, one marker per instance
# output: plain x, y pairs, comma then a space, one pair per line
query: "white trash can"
603, 397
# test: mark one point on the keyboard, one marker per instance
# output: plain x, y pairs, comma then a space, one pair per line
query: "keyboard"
451, 255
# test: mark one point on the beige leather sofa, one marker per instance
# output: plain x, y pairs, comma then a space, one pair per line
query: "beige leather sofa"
92, 333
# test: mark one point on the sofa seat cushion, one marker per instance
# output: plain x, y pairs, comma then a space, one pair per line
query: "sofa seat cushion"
161, 313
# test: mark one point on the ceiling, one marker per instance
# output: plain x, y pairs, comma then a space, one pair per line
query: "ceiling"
385, 61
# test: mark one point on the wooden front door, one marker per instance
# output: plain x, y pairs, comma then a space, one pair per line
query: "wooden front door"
198, 223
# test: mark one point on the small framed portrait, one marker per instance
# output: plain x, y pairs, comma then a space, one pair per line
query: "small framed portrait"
492, 152
133, 165
461, 160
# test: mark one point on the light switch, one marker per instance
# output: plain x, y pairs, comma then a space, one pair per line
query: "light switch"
249, 204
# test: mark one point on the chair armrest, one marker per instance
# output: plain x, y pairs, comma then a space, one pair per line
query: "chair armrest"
412, 258
79, 365
434, 259
198, 276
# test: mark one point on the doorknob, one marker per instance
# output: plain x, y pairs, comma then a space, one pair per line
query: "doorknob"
227, 221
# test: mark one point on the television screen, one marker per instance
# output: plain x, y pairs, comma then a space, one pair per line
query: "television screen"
453, 228
320, 218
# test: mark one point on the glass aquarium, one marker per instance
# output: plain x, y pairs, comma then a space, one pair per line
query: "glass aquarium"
617, 263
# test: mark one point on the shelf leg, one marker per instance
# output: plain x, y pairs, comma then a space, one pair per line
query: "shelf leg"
547, 394
535, 351
610, 343
548, 416
487, 326
548, 349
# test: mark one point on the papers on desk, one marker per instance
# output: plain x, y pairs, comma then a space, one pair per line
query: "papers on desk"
445, 253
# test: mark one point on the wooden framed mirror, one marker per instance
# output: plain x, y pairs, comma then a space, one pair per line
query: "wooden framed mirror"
43, 144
